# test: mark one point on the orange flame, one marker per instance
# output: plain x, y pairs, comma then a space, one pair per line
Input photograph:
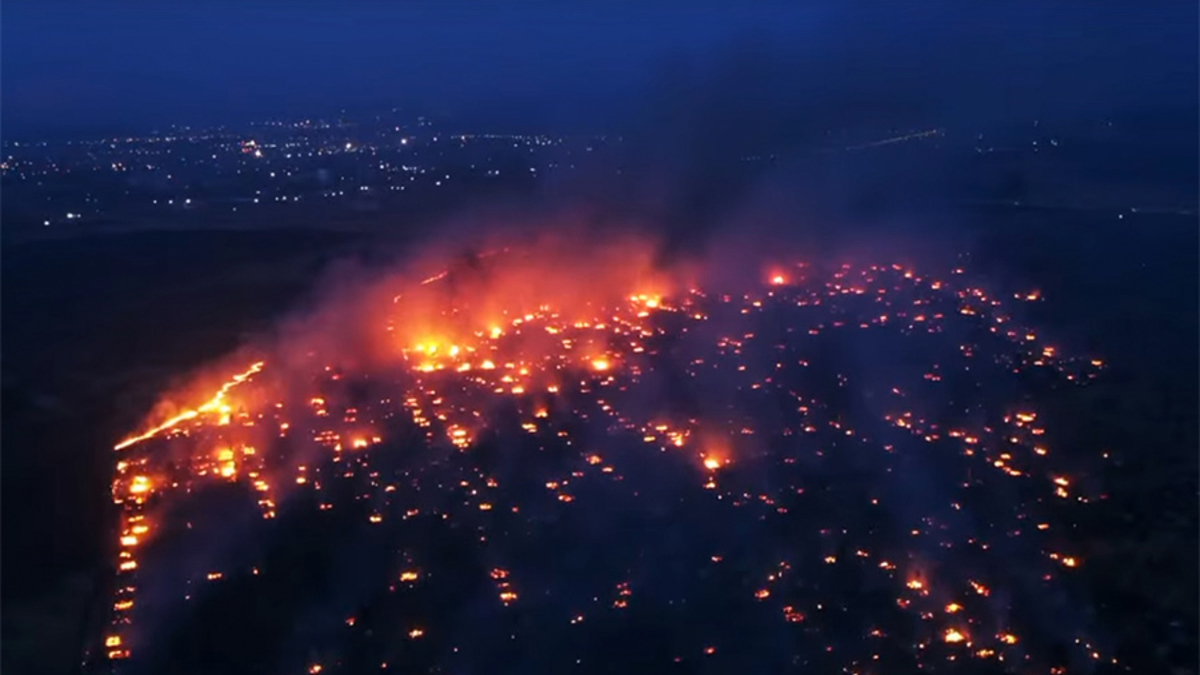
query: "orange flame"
213, 404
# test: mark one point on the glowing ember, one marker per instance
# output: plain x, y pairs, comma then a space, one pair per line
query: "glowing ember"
500, 428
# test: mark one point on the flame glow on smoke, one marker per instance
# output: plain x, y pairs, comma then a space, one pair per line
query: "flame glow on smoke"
616, 380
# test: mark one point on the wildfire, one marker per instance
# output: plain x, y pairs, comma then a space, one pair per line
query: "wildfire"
953, 636
563, 363
216, 403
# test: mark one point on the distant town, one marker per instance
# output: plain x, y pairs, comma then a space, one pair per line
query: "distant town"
337, 173
221, 173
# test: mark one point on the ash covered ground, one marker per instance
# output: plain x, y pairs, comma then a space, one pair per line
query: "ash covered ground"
844, 467
1117, 299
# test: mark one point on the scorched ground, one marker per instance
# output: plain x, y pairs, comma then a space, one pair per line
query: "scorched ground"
839, 469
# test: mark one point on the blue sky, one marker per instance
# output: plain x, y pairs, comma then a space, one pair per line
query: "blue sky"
132, 63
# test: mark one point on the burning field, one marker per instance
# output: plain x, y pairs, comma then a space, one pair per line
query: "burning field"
528, 463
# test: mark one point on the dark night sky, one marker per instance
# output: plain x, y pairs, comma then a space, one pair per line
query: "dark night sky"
132, 64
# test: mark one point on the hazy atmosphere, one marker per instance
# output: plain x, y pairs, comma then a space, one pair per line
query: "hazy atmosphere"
723, 337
